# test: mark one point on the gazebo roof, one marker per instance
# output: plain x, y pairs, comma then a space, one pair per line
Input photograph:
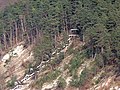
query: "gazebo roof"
74, 29
73, 35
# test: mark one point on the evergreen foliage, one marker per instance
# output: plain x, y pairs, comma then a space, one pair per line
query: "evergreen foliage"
48, 78
97, 20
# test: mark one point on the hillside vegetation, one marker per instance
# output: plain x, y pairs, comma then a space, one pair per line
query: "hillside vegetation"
44, 27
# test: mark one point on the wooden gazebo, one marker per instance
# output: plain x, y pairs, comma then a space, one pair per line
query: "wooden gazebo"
74, 33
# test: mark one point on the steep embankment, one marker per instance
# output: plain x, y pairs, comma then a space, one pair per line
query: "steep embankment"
61, 76
15, 63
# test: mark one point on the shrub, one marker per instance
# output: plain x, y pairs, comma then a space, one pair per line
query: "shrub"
61, 83
61, 56
75, 63
70, 50
83, 76
48, 78
75, 81
93, 69
78, 81
88, 52
66, 66
57, 60
99, 60
11, 82
97, 81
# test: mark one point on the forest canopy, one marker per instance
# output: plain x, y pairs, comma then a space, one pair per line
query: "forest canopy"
97, 20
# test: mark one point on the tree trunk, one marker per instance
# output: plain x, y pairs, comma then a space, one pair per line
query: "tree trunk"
37, 35
26, 31
22, 27
5, 44
11, 35
16, 33
8, 39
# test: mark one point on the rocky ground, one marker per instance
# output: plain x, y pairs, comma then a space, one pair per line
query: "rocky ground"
24, 81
